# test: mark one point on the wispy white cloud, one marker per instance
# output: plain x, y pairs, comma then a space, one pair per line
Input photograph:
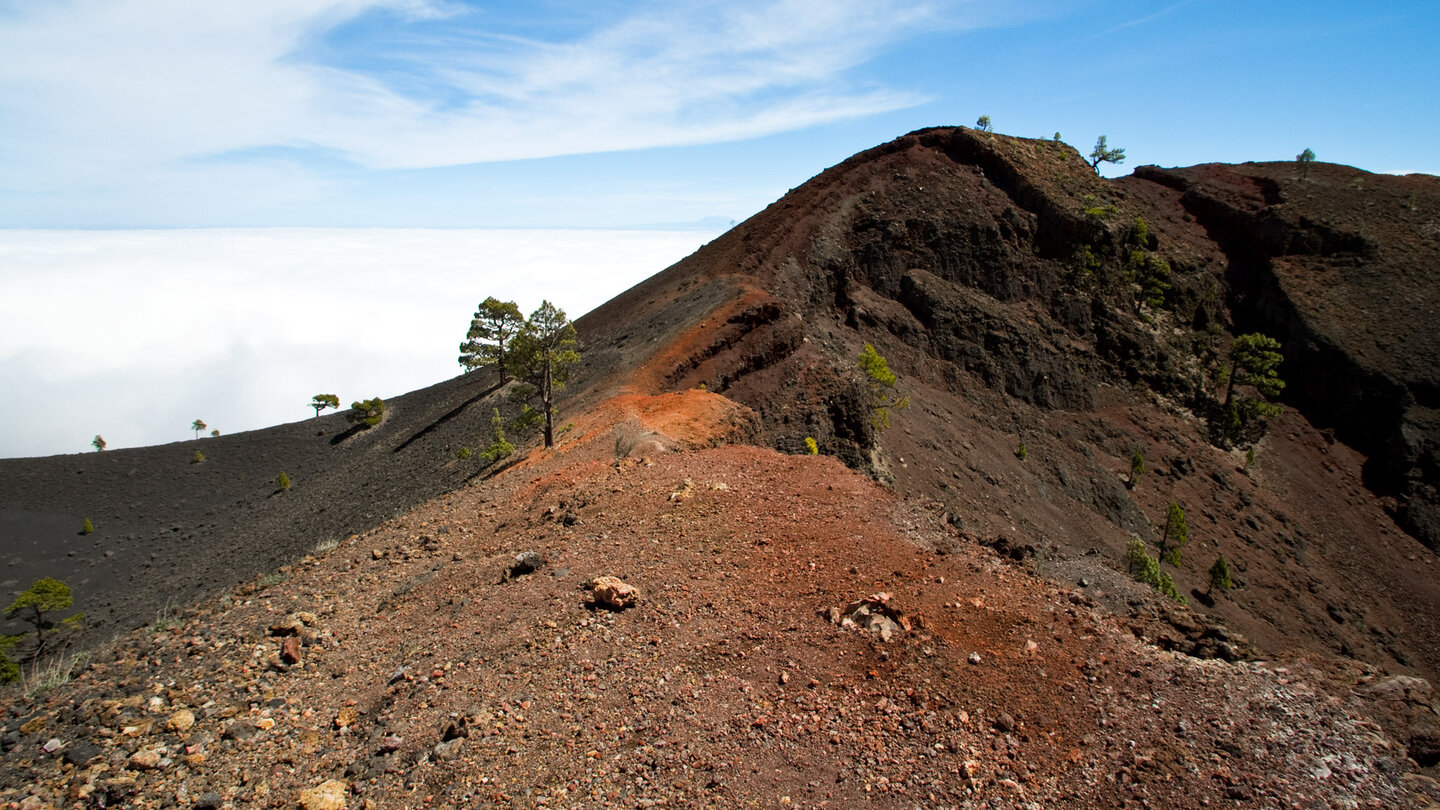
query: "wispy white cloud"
118, 96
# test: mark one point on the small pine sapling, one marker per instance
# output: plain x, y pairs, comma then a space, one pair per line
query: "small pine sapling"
499, 447
87, 527
983, 124
283, 482
1219, 576
367, 412
215, 434
1303, 160
98, 442
197, 458
1137, 469
1166, 587
881, 381
811, 447
463, 454
1175, 535
1022, 452
1135, 557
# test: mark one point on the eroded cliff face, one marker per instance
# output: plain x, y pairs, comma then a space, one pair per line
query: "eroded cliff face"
1008, 263
1048, 323
1344, 268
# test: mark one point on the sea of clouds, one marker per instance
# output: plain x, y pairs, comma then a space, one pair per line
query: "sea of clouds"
135, 334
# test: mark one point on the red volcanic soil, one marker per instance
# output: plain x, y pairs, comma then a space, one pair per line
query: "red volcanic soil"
419, 674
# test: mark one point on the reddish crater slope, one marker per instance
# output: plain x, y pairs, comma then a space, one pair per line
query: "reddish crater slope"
995, 275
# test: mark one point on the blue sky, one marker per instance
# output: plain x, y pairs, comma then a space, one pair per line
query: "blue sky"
560, 113
226, 189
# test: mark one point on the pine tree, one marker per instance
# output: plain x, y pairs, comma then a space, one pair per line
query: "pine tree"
1304, 159
540, 357
495, 325
1254, 359
322, 401
1137, 469
1102, 153
1175, 535
197, 426
38, 604
1219, 576
881, 381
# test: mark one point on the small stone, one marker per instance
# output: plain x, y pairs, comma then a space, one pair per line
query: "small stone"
265, 723
52, 745
784, 678
181, 720
613, 594
81, 754
118, 790
973, 658
346, 717
290, 651
526, 562
326, 796
1005, 722
449, 749
145, 760
208, 801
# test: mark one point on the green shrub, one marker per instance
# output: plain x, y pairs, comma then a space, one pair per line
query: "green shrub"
367, 412
811, 447
197, 457
1022, 452
1254, 362
1219, 576
283, 481
1175, 535
37, 605
87, 527
881, 381
463, 454
499, 448
1146, 569
1303, 160
1137, 468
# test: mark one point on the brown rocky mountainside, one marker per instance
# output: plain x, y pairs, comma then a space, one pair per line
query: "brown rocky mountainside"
1045, 324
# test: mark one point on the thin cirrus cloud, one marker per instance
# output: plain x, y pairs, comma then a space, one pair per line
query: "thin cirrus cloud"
105, 93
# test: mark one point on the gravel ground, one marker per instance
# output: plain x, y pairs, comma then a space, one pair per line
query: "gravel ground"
407, 668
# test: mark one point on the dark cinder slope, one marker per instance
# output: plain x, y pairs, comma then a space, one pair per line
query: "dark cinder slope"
169, 532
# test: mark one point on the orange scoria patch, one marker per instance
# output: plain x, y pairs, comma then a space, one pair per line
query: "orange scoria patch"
692, 418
